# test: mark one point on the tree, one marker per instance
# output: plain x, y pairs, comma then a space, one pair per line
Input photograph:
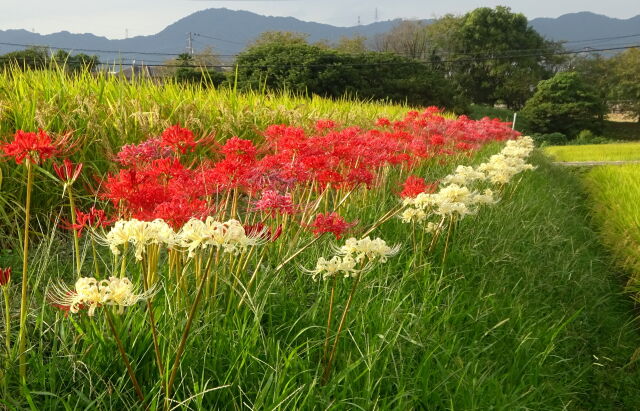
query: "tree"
75, 63
565, 104
598, 72
304, 68
199, 68
494, 55
407, 38
35, 58
279, 37
625, 88
355, 44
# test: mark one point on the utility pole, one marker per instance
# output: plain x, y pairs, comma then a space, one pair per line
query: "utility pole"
376, 15
190, 43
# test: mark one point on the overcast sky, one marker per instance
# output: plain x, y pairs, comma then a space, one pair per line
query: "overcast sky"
111, 18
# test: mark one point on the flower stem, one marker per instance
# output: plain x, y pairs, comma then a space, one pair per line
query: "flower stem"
327, 368
325, 349
7, 316
152, 320
187, 328
446, 244
123, 354
22, 333
76, 240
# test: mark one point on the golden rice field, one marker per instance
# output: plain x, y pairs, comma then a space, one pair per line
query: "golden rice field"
615, 193
595, 152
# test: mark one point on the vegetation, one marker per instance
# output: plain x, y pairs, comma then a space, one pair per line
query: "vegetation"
565, 104
303, 68
40, 58
616, 79
614, 191
599, 152
515, 308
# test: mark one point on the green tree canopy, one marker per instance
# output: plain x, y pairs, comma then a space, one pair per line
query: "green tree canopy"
494, 54
565, 103
304, 68
625, 90
31, 58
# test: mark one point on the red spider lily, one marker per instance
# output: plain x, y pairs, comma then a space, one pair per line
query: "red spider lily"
238, 149
414, 185
93, 219
67, 171
262, 231
382, 122
324, 125
274, 203
179, 139
360, 175
5, 277
36, 147
330, 223
153, 182
140, 155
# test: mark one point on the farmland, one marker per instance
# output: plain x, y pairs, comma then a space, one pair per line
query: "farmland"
272, 251
595, 152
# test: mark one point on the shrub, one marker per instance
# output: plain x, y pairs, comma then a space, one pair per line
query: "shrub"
550, 139
565, 104
310, 69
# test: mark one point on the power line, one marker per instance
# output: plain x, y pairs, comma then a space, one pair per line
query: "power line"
602, 38
216, 38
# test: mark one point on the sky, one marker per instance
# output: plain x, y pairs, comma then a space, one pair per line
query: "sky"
118, 18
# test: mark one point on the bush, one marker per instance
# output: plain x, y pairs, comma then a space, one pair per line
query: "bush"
588, 137
565, 104
308, 69
550, 139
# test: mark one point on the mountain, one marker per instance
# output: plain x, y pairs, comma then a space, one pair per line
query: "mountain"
228, 32
583, 26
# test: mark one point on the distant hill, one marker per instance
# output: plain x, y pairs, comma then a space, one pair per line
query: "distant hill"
228, 32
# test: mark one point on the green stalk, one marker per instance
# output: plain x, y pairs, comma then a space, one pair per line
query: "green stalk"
325, 349
123, 354
446, 244
152, 321
185, 332
76, 240
327, 368
7, 308
22, 337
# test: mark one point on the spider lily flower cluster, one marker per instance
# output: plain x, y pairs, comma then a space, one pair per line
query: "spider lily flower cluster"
160, 179
455, 199
90, 293
229, 236
353, 258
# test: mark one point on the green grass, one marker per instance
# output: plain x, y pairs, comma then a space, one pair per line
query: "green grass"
595, 152
615, 191
525, 313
